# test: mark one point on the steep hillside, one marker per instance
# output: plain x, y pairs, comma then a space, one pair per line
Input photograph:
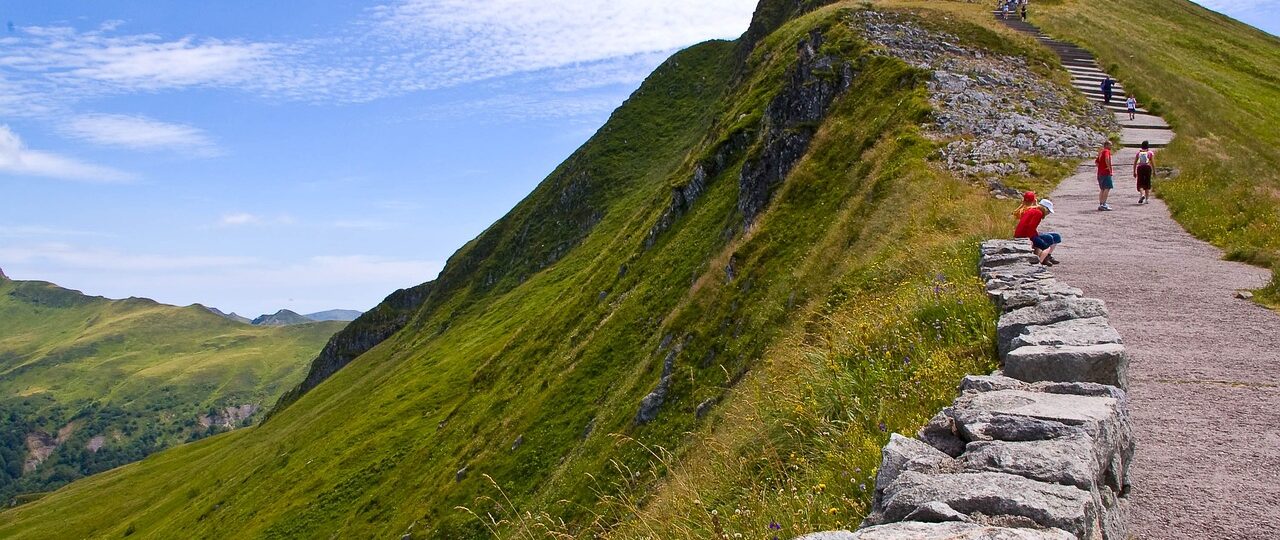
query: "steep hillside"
87, 383
1217, 81
758, 264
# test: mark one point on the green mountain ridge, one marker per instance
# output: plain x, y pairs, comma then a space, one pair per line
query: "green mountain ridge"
88, 383
704, 323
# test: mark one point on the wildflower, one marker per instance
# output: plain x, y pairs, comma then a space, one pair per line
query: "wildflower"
833, 511
883, 427
775, 526
822, 487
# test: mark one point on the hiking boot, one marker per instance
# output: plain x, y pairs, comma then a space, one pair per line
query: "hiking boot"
1051, 260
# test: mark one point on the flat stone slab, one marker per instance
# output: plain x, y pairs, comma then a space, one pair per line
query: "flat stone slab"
1091, 331
911, 530
996, 494
1102, 363
1070, 461
1146, 120
1015, 322
1020, 295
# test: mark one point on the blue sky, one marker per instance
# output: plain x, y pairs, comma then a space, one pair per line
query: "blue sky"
261, 155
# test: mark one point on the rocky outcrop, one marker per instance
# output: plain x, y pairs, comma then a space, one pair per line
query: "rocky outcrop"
356, 338
790, 121
230, 417
991, 112
683, 197
1041, 449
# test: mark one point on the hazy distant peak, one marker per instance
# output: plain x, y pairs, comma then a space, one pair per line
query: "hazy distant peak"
346, 315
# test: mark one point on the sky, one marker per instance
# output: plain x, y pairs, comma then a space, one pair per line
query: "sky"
254, 156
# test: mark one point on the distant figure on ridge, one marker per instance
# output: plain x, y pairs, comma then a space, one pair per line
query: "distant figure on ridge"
1143, 165
1028, 227
1105, 176
1107, 83
1132, 105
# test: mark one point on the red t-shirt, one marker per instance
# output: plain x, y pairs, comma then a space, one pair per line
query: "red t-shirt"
1104, 162
1029, 223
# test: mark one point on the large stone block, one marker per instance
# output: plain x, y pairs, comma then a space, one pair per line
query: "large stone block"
1015, 323
1015, 415
1104, 363
1009, 296
1077, 332
906, 454
910, 530
997, 247
1070, 461
996, 494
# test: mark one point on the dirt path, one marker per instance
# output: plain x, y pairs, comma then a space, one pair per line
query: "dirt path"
1205, 366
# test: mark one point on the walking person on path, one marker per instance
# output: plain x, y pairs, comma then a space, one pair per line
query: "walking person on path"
1024, 10
1029, 227
1107, 83
1105, 176
1131, 104
1143, 165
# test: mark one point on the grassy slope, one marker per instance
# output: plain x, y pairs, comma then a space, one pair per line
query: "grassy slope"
137, 372
865, 259
1217, 81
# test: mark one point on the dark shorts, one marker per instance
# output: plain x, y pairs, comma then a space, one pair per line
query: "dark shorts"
1144, 177
1105, 182
1045, 240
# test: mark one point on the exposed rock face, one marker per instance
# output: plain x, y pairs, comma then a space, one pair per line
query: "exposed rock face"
356, 338
992, 111
230, 417
41, 445
790, 121
1040, 450
683, 197
652, 403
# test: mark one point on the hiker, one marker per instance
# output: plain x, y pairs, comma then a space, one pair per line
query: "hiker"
1024, 10
1107, 83
1105, 176
1143, 165
1028, 201
1132, 105
1028, 227
1004, 9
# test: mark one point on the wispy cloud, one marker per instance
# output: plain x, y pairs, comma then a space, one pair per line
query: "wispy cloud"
37, 231
18, 160
238, 219
140, 133
399, 48
82, 258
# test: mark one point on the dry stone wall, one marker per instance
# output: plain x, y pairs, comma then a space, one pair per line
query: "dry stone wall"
1039, 450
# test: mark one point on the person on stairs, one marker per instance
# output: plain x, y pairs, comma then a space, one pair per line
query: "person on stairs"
1131, 104
1105, 176
1024, 10
1107, 83
1143, 165
1029, 227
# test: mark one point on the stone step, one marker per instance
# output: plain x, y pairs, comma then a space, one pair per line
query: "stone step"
1133, 137
1141, 121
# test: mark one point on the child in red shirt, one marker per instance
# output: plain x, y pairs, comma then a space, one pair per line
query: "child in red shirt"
1028, 227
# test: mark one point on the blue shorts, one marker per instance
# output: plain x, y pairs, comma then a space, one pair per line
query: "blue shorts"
1045, 240
1105, 182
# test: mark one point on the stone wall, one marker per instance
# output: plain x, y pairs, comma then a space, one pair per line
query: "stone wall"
1039, 450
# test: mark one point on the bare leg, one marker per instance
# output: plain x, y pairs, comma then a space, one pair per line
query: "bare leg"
1102, 197
1046, 253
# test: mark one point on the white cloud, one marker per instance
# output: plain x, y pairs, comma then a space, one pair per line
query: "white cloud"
18, 160
98, 259
239, 218
404, 47
140, 133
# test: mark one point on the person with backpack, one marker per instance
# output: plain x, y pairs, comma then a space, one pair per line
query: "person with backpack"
1132, 105
1143, 165
1029, 227
1105, 176
1107, 83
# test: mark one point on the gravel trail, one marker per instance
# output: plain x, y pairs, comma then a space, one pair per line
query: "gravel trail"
1204, 376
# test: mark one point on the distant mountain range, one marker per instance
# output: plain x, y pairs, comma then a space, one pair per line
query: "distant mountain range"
286, 317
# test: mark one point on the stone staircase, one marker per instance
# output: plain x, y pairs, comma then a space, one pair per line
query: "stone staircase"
1087, 76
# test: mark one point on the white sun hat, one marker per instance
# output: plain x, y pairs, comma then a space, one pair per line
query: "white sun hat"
1047, 204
